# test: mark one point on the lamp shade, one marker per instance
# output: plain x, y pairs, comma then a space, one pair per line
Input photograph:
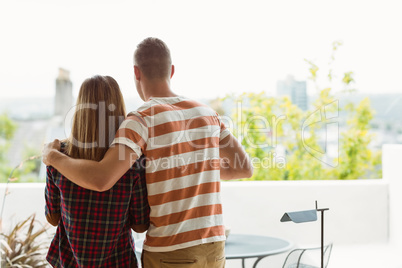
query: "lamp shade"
300, 216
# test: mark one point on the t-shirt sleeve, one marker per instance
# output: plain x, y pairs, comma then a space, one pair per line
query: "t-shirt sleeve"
133, 133
52, 194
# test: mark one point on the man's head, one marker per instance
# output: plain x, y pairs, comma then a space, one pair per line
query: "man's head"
152, 57
152, 62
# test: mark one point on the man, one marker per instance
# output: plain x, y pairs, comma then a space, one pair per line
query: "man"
188, 151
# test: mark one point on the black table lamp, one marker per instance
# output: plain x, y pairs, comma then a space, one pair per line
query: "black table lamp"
307, 216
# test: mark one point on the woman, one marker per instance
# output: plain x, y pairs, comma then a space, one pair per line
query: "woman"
93, 228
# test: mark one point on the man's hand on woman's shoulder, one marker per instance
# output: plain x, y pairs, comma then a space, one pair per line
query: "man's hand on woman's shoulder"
48, 149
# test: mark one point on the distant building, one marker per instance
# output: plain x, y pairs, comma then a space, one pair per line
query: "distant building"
296, 90
64, 94
63, 102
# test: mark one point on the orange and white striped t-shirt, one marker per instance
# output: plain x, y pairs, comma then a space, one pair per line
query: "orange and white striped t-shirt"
180, 139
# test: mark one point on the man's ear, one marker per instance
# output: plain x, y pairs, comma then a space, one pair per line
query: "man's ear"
172, 71
137, 73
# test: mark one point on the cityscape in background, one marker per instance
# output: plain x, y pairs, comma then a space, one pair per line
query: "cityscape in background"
41, 120
296, 90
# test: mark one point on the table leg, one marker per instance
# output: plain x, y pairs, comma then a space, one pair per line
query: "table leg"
257, 261
243, 264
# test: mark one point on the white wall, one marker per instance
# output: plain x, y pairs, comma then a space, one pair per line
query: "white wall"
23, 200
392, 170
358, 210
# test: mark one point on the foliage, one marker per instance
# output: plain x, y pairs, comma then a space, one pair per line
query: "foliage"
285, 143
24, 173
355, 156
28, 172
24, 246
7, 127
7, 130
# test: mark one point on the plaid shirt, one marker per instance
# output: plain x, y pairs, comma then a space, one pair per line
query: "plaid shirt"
94, 229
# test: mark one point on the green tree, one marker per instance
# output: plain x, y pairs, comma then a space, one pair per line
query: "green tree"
356, 158
7, 130
270, 130
7, 127
26, 172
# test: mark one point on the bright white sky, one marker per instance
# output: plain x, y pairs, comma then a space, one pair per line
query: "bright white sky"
218, 47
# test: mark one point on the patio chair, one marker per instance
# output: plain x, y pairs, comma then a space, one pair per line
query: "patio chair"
307, 257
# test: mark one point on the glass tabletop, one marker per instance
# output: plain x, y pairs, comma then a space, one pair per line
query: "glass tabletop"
246, 246
250, 246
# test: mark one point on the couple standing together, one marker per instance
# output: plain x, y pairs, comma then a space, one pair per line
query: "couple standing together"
156, 169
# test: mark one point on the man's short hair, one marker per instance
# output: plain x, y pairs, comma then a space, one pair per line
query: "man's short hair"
152, 57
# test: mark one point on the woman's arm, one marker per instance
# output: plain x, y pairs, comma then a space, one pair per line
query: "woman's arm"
139, 228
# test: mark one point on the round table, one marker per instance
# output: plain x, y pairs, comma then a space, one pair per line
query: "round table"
243, 246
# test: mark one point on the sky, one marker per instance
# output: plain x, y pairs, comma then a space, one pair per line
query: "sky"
217, 47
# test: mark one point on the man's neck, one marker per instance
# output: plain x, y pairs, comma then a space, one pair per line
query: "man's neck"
157, 89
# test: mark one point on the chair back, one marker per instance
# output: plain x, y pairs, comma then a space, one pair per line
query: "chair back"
307, 257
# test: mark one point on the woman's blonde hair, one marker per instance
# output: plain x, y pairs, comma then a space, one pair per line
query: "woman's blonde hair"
99, 112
